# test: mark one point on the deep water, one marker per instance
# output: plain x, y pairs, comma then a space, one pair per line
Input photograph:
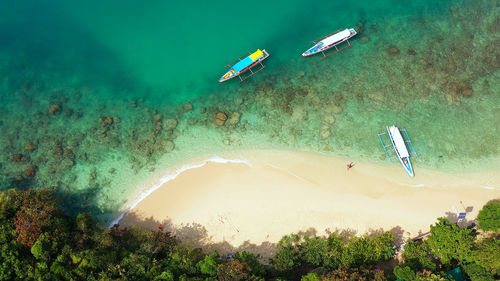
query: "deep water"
94, 97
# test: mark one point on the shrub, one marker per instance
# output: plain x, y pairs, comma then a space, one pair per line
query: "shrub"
489, 217
477, 272
404, 272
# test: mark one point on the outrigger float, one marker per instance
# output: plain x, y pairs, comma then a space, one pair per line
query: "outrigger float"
399, 144
331, 41
244, 64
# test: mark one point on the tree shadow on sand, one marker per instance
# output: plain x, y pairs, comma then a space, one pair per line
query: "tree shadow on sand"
196, 235
461, 222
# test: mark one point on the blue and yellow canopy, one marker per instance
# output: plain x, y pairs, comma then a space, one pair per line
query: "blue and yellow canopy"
248, 60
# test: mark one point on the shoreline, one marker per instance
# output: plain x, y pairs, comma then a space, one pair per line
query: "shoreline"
221, 200
171, 172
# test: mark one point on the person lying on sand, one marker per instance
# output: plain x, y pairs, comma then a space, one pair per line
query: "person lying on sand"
350, 165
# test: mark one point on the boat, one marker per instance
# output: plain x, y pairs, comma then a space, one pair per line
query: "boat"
331, 41
398, 143
244, 64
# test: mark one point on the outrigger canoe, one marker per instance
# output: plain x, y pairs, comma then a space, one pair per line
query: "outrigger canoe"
399, 145
244, 64
331, 41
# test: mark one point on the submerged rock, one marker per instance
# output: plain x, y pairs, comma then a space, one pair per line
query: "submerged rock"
303, 92
168, 145
467, 92
170, 124
30, 146
335, 109
187, 107
68, 112
377, 96
220, 118
106, 121
233, 119
157, 117
299, 114
54, 109
393, 51
19, 158
329, 119
68, 153
325, 132
30, 171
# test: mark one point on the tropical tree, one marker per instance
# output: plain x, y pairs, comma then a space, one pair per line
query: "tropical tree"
233, 271
257, 269
404, 273
489, 217
449, 242
477, 273
36, 210
288, 255
417, 255
487, 254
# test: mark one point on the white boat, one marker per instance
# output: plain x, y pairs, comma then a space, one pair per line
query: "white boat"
399, 145
331, 41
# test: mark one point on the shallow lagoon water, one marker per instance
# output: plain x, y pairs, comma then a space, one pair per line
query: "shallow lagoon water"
427, 66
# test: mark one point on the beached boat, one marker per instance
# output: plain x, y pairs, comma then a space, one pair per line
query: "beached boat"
244, 64
329, 41
399, 145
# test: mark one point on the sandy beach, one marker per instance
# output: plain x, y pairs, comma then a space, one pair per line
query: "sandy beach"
252, 204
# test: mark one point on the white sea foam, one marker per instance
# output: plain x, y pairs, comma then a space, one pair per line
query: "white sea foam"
171, 176
488, 187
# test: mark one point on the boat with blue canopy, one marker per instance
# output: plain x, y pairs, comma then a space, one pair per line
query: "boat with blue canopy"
244, 64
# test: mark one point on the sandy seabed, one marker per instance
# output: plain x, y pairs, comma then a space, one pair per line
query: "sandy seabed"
251, 204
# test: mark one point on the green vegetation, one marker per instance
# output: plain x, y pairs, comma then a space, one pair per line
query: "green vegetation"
489, 217
40, 242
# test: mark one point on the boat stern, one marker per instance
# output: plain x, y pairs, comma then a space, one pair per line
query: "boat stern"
408, 168
353, 32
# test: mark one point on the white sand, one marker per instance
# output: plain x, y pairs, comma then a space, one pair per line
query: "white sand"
235, 205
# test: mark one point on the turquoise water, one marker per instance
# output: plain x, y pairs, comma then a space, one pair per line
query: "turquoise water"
94, 97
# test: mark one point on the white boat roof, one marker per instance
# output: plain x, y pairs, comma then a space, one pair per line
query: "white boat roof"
399, 142
336, 37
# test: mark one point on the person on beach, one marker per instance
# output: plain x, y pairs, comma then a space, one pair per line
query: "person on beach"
350, 165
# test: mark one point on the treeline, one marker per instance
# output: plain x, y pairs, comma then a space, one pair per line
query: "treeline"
39, 242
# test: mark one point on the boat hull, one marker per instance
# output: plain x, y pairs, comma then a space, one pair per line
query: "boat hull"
322, 47
242, 71
400, 149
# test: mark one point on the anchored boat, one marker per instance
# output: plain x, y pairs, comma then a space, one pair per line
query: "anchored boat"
331, 41
244, 64
398, 143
